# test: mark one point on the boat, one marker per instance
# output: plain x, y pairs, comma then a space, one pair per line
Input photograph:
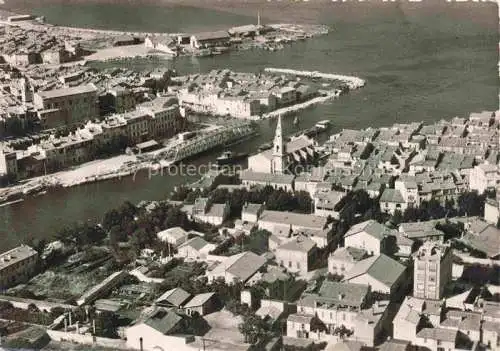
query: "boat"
203, 53
229, 157
324, 124
3, 204
265, 147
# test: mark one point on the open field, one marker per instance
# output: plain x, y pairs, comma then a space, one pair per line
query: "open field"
224, 333
121, 52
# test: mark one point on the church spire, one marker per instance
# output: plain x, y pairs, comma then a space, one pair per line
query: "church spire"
278, 145
258, 18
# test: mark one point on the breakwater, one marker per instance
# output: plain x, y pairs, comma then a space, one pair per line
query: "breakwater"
351, 81
302, 106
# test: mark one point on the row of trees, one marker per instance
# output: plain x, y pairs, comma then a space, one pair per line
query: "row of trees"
81, 235
274, 199
468, 204
139, 227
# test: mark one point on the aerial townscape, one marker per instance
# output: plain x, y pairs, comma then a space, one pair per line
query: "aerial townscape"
265, 222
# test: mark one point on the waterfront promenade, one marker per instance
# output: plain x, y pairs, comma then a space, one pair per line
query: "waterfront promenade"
128, 165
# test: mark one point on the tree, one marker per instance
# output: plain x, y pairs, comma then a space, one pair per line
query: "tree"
253, 328
139, 239
413, 214
180, 193
111, 218
106, 324
433, 209
471, 204
397, 217
81, 234
450, 230
342, 331
304, 202
175, 217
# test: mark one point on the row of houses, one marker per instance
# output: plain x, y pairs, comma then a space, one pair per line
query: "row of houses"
23, 47
161, 118
241, 95
407, 164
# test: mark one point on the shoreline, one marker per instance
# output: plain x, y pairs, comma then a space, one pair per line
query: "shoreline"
100, 41
128, 165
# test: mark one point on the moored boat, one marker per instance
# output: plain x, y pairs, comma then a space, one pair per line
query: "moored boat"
265, 147
229, 157
324, 124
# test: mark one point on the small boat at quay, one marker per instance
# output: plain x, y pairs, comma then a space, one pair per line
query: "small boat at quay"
229, 157
324, 124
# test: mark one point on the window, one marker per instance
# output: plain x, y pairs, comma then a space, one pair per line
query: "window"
343, 316
289, 264
298, 265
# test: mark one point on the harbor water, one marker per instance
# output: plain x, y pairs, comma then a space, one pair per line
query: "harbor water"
417, 67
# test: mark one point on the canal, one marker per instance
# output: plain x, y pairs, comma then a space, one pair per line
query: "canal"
417, 67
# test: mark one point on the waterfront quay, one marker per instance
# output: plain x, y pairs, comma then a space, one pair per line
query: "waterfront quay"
466, 85
82, 114
59, 44
174, 150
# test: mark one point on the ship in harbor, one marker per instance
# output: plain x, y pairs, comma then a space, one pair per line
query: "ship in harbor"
265, 146
229, 158
323, 125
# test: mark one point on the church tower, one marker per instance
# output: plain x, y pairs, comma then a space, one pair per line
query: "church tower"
279, 151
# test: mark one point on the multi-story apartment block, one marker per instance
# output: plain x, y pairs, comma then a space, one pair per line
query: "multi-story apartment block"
8, 164
17, 265
484, 176
432, 270
55, 153
67, 105
338, 306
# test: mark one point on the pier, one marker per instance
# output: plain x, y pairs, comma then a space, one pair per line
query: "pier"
351, 81
302, 106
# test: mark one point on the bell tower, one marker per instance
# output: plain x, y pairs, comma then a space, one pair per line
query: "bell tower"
278, 165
